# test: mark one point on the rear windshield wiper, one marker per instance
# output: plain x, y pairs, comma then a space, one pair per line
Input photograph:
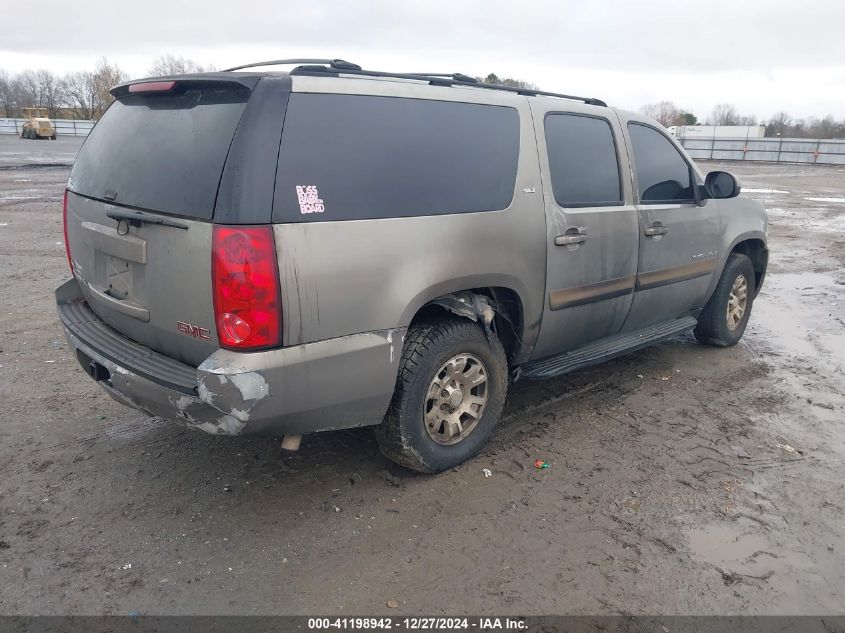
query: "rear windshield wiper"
136, 219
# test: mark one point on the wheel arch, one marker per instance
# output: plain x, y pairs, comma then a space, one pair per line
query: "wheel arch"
753, 242
754, 247
498, 307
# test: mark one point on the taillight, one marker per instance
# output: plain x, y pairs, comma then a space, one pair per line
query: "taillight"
64, 224
245, 276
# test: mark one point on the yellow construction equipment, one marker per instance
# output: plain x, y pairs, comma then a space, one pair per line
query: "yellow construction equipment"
37, 125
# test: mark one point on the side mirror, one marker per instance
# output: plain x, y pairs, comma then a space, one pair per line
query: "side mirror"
721, 184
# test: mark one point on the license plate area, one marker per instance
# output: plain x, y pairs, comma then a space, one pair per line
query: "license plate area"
119, 277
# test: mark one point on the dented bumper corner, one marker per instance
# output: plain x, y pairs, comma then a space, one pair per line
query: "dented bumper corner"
333, 384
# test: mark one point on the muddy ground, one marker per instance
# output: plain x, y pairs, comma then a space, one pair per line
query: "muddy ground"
683, 479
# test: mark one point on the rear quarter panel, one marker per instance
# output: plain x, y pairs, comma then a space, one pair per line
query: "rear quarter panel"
349, 277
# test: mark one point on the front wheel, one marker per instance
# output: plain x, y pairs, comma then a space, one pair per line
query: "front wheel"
449, 395
723, 321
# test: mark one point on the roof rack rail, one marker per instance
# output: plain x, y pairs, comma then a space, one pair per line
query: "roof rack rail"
340, 66
456, 76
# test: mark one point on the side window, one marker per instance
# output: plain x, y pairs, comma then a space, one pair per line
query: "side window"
353, 157
662, 173
582, 161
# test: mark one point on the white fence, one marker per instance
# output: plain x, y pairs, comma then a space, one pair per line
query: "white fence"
64, 127
772, 150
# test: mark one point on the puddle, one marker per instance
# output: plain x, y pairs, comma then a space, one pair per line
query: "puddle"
788, 308
728, 544
25, 194
826, 199
743, 555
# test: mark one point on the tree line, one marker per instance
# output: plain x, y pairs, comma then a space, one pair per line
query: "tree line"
77, 95
85, 95
780, 124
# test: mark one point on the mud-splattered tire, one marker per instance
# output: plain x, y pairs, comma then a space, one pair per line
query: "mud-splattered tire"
433, 352
722, 323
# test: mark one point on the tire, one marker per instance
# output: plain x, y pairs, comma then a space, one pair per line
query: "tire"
716, 326
440, 355
53, 137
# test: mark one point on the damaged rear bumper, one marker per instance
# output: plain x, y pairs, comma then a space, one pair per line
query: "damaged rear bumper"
333, 384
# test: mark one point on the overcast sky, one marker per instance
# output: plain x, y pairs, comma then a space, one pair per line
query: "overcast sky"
761, 55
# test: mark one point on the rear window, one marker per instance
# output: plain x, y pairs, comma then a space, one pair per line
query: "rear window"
163, 152
349, 157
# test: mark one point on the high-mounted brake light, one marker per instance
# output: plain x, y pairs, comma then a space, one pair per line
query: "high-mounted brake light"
245, 279
152, 86
64, 225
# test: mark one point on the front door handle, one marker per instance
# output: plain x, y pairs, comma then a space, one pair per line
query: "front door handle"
655, 229
572, 236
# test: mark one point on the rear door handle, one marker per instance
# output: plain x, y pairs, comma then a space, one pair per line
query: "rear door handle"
572, 236
655, 229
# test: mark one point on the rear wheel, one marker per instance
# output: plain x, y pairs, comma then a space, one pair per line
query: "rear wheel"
449, 395
723, 321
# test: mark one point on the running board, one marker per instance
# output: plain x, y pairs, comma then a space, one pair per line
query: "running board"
602, 350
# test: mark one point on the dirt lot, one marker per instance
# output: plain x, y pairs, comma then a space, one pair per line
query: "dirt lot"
683, 479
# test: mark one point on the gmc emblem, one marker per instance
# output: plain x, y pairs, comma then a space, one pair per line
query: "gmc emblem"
193, 330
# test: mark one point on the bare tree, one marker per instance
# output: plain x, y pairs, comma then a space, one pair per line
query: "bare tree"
25, 87
172, 65
666, 113
724, 114
104, 78
6, 95
828, 128
777, 125
49, 92
746, 119
80, 94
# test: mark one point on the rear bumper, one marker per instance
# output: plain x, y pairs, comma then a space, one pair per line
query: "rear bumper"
333, 384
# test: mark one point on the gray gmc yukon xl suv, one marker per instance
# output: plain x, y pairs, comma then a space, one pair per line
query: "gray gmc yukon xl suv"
286, 253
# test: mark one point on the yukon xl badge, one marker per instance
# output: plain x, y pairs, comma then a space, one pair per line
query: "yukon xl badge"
193, 330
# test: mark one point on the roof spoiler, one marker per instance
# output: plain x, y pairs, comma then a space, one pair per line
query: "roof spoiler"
173, 83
